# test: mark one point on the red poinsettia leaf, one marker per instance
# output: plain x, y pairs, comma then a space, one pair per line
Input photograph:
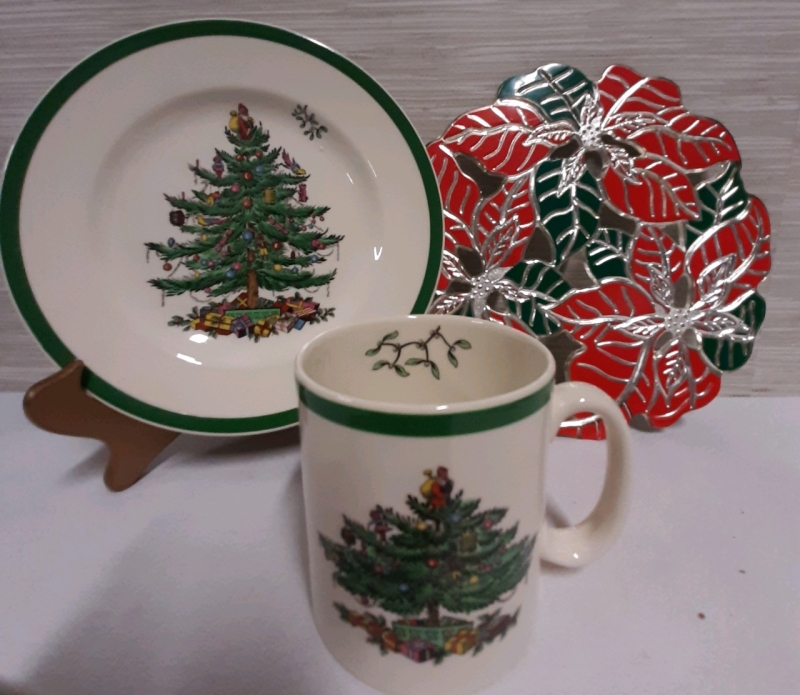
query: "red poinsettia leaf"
745, 243
685, 382
623, 90
505, 223
507, 137
654, 190
648, 111
693, 142
460, 194
585, 313
652, 254
583, 426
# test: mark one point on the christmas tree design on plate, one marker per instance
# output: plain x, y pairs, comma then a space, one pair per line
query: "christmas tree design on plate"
445, 555
250, 227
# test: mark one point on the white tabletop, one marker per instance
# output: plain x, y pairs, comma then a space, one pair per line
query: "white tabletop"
194, 580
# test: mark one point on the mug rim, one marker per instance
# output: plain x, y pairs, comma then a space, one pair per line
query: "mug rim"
428, 419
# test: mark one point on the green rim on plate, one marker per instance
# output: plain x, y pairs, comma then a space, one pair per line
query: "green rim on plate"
433, 425
48, 107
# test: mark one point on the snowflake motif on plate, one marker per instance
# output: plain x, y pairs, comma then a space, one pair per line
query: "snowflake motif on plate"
613, 224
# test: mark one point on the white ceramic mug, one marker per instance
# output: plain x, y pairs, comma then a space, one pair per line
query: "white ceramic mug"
423, 448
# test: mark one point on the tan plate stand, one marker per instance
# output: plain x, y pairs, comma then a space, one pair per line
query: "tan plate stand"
59, 404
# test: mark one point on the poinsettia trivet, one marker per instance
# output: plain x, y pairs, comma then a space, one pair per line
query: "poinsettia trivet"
610, 222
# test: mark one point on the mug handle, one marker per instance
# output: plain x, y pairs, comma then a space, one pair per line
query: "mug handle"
591, 538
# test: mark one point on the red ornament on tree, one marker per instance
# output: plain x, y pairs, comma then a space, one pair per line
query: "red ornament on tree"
378, 569
248, 176
259, 154
247, 203
277, 245
167, 266
177, 217
488, 523
433, 563
235, 188
239, 158
195, 258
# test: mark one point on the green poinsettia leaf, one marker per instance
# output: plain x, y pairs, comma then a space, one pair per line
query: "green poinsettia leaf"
463, 344
606, 253
549, 286
727, 354
400, 370
557, 90
379, 364
721, 200
571, 217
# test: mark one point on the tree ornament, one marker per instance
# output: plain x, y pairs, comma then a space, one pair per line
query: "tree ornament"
197, 273
218, 248
177, 217
474, 579
315, 243
235, 188
278, 267
295, 270
269, 196
487, 523
378, 569
204, 237
239, 158
248, 235
210, 200
237, 266
321, 247
292, 256
262, 251
303, 228
277, 245
433, 563
455, 575
259, 154
210, 264
247, 203
230, 274
248, 176
170, 242
201, 220
259, 170
455, 518
314, 257
402, 587
321, 218
421, 526
208, 290
468, 543
167, 266
195, 258
348, 536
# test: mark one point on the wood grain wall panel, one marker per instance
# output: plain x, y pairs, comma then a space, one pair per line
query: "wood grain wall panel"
736, 60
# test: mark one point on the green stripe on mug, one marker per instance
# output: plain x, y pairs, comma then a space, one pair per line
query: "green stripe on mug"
433, 425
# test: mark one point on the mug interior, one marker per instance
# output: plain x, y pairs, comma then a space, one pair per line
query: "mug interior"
424, 363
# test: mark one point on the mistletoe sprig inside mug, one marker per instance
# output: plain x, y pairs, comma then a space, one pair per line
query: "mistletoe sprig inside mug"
612, 223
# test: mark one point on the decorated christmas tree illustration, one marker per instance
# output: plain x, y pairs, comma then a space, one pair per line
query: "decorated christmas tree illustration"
250, 227
446, 556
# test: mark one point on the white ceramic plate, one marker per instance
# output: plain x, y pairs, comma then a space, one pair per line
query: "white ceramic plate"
84, 191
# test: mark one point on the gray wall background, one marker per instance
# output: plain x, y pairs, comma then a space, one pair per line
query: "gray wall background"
735, 60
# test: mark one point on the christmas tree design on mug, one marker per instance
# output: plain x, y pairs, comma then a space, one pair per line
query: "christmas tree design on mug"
251, 228
445, 555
